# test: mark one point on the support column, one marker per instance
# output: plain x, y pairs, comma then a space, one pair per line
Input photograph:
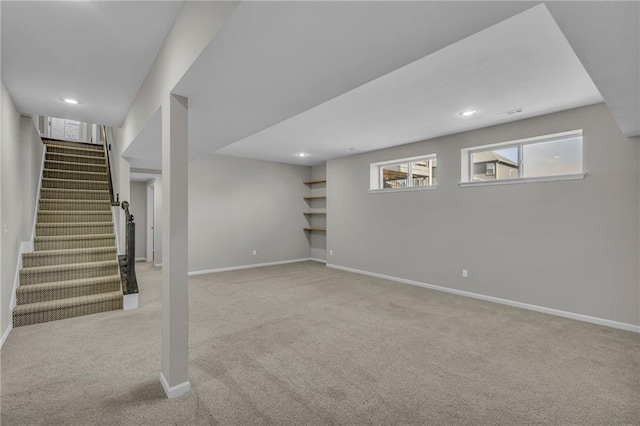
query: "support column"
175, 296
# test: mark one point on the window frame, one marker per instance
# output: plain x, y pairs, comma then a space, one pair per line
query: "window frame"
466, 168
376, 184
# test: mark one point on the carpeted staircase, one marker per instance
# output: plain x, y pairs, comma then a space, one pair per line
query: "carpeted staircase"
74, 268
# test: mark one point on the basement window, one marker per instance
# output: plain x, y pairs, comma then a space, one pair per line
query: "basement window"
404, 174
544, 158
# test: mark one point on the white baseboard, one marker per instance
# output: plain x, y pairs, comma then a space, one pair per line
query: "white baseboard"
318, 260
129, 302
140, 259
175, 391
255, 265
157, 265
556, 312
6, 334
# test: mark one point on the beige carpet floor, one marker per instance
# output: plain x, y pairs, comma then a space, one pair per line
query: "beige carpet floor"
303, 344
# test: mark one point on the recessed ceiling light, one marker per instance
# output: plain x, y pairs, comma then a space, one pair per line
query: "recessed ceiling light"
302, 154
71, 101
350, 149
468, 113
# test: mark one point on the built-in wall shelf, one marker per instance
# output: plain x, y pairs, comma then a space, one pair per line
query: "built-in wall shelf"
316, 217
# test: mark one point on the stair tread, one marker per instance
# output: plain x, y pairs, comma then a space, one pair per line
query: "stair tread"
75, 237
89, 145
74, 211
72, 224
70, 266
71, 200
74, 171
30, 288
42, 253
75, 162
92, 157
73, 180
28, 308
76, 190
77, 148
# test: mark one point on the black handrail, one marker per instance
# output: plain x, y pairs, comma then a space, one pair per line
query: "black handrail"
127, 261
115, 198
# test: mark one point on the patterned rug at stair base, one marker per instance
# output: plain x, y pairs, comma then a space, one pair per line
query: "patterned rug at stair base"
74, 269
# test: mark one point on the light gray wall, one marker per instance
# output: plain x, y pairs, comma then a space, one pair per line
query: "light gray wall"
138, 208
318, 240
567, 245
157, 212
20, 162
32, 149
238, 205
10, 194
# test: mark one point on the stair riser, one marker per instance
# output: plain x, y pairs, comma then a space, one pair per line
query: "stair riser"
75, 244
75, 184
68, 174
74, 151
75, 311
64, 293
29, 277
76, 167
51, 194
70, 144
73, 230
70, 205
66, 259
53, 156
46, 217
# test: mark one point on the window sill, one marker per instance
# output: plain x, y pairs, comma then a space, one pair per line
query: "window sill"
413, 188
576, 176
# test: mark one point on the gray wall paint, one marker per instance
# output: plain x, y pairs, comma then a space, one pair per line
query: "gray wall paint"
318, 240
10, 194
238, 205
157, 212
138, 208
31, 148
569, 245
20, 162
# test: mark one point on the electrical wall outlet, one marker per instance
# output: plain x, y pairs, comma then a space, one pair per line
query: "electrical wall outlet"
330, 252
465, 273
255, 252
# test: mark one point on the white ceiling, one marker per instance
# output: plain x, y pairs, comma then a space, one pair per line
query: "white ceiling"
96, 52
143, 177
522, 62
276, 64
275, 61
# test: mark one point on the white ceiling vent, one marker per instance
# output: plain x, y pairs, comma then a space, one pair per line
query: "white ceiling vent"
513, 111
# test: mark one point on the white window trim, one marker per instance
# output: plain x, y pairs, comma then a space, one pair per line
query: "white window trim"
574, 176
465, 160
375, 182
408, 189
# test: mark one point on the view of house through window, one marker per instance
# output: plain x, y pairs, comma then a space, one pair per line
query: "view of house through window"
531, 158
395, 176
404, 173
